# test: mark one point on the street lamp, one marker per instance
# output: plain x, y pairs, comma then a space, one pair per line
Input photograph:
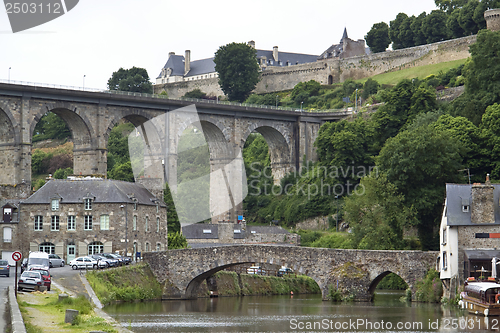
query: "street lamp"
276, 101
84, 82
9, 73
301, 105
337, 214
356, 103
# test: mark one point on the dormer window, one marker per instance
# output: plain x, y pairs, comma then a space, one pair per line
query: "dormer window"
55, 204
87, 203
465, 205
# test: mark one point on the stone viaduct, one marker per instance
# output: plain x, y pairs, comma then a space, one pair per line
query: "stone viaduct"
90, 116
355, 272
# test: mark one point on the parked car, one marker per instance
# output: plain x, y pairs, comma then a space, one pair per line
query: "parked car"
85, 262
125, 260
30, 280
55, 261
284, 271
4, 268
109, 262
115, 257
38, 259
46, 277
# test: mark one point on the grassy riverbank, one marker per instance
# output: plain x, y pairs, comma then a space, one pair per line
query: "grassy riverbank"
137, 282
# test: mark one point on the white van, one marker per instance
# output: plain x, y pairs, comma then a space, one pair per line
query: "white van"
38, 259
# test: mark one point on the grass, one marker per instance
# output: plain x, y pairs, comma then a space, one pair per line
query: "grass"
128, 283
48, 314
420, 72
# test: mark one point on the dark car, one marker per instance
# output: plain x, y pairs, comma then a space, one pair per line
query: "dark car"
47, 278
4, 268
109, 262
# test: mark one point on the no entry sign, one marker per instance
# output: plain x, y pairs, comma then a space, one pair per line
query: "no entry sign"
16, 256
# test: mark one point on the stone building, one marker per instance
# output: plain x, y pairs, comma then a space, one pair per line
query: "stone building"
469, 233
227, 232
347, 48
77, 217
9, 228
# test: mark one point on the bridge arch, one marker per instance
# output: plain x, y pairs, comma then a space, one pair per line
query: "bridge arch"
379, 278
9, 129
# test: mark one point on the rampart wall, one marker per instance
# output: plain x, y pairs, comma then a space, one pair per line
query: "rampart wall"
337, 70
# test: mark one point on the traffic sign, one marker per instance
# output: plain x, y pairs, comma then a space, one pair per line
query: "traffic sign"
16, 256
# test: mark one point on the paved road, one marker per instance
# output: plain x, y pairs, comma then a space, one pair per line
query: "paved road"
4, 314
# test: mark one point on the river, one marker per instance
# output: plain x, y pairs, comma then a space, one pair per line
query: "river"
298, 313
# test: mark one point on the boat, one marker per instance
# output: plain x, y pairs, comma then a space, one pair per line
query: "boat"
481, 297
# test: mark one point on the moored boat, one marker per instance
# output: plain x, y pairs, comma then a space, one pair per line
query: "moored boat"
481, 297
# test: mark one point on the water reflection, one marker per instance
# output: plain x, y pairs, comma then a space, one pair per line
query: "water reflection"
288, 314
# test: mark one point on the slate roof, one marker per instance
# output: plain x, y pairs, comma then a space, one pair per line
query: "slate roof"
102, 190
195, 231
205, 66
459, 194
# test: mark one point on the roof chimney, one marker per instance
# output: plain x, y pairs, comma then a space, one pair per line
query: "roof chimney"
187, 61
482, 206
251, 43
275, 53
171, 54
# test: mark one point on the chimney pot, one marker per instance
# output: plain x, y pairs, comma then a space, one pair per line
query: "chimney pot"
187, 61
275, 53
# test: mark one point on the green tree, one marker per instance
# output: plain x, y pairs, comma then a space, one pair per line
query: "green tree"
378, 215
51, 126
134, 79
466, 18
419, 162
434, 27
490, 127
416, 26
176, 240
378, 37
196, 93
453, 24
406, 35
122, 172
63, 173
449, 5
173, 224
238, 70
370, 88
395, 29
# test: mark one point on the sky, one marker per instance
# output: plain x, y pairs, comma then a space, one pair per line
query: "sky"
97, 37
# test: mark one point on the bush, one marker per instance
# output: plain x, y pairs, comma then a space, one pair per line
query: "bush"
429, 289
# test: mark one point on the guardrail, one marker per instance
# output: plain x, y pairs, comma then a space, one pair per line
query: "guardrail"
194, 100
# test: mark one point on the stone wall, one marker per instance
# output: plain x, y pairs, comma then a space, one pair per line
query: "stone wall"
338, 70
314, 223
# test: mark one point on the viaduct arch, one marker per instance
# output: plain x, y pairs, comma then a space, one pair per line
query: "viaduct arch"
355, 272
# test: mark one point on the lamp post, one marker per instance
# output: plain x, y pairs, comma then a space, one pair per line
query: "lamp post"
84, 82
337, 214
301, 105
9, 73
356, 103
276, 101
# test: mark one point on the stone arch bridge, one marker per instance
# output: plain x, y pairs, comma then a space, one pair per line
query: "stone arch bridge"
355, 272
90, 116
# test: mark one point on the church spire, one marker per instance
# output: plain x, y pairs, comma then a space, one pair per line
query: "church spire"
344, 36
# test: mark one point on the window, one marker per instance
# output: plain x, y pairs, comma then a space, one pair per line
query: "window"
445, 236
104, 222
158, 246
157, 224
54, 224
134, 223
135, 205
47, 248
207, 231
88, 222
147, 247
88, 203
55, 204
465, 205
96, 247
445, 261
7, 235
465, 208
146, 225
38, 223
71, 222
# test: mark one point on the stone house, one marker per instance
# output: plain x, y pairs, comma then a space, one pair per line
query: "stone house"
78, 217
469, 233
9, 228
227, 232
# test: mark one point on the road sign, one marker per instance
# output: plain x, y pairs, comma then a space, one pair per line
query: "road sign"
16, 256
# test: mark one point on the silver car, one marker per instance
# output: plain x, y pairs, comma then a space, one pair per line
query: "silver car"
55, 261
4, 268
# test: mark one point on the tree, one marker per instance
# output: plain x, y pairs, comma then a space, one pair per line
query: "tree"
370, 88
453, 25
416, 27
434, 27
378, 37
490, 128
466, 18
196, 93
406, 35
419, 162
378, 215
176, 240
238, 70
449, 5
394, 30
51, 126
134, 79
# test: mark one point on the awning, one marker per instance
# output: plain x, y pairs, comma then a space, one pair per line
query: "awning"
482, 254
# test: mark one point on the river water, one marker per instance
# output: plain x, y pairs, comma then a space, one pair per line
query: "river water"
298, 313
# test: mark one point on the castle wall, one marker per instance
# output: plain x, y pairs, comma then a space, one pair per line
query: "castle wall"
285, 78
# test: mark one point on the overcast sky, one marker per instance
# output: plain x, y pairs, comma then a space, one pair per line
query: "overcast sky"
98, 37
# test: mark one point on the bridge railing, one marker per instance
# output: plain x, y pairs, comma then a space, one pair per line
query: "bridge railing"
194, 100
